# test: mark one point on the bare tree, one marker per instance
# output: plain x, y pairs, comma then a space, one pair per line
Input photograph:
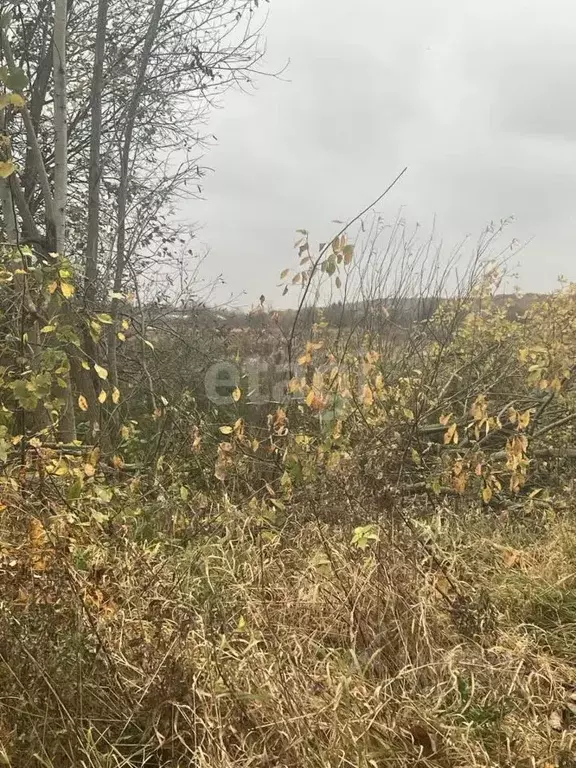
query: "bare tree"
124, 181
60, 124
109, 136
94, 178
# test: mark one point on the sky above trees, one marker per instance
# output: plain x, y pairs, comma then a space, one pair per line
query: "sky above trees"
476, 98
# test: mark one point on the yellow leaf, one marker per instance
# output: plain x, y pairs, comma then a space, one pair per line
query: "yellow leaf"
59, 468
115, 395
102, 396
121, 336
82, 403
294, 385
226, 430
486, 494
7, 168
52, 286
367, 396
237, 394
13, 99
67, 290
451, 434
280, 421
38, 540
16, 100
511, 557
101, 372
89, 470
459, 482
310, 398
37, 534
118, 462
523, 420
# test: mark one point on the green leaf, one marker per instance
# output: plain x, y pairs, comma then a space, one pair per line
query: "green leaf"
17, 80
5, 21
329, 265
104, 494
105, 318
348, 252
75, 490
363, 535
25, 395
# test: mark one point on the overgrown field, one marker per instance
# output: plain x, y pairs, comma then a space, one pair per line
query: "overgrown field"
382, 572
234, 641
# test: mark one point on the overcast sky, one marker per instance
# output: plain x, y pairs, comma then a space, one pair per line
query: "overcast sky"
478, 99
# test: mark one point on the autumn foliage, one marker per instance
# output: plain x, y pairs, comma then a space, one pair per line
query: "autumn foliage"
377, 571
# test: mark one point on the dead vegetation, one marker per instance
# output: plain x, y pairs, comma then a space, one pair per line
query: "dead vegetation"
380, 573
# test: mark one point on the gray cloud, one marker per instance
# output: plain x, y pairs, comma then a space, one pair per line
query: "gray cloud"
477, 99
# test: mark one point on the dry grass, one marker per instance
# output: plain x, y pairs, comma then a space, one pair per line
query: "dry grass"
293, 648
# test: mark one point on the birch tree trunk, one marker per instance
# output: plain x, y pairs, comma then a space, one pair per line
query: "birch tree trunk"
126, 154
60, 125
67, 416
95, 169
90, 385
